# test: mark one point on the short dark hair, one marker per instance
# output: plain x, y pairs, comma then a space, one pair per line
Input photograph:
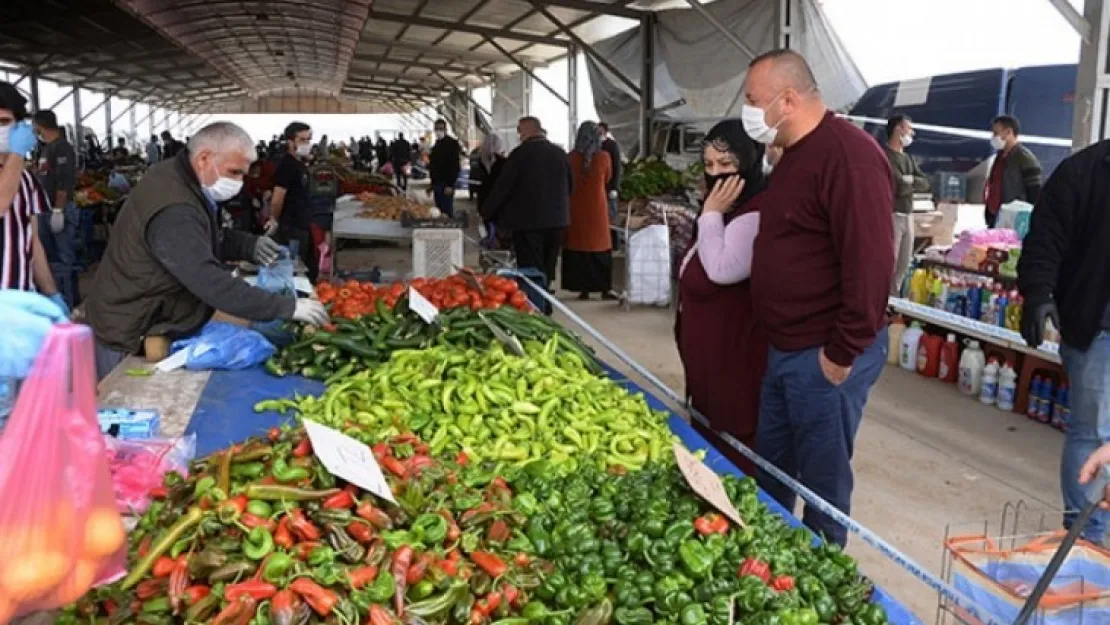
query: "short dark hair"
166, 134
1008, 121
292, 129
440, 122
46, 118
894, 122
12, 100
603, 126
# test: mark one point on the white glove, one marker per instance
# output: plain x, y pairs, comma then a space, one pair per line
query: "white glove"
270, 227
266, 251
310, 311
57, 220
613, 195
482, 232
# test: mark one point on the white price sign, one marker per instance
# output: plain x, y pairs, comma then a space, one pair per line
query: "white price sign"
705, 483
348, 459
422, 307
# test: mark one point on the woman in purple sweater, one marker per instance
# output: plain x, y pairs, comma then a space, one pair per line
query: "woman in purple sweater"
723, 351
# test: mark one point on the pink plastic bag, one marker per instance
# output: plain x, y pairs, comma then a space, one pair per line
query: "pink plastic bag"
137, 467
60, 532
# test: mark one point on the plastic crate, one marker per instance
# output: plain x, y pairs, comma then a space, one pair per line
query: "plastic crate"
436, 252
461, 220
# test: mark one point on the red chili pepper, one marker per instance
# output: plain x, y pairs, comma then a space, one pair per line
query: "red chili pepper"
273, 434
339, 501
394, 466
282, 537
362, 576
499, 483
487, 605
320, 599
417, 463
301, 550
377, 517
159, 492
449, 567
511, 594
498, 532
489, 563
283, 607
150, 588
240, 503
756, 568
417, 571
259, 591
453, 531
711, 523
782, 583
194, 594
361, 532
462, 459
381, 616
301, 527
381, 450
179, 581
239, 612
163, 566
473, 512
521, 559
303, 448
109, 606
402, 560
251, 521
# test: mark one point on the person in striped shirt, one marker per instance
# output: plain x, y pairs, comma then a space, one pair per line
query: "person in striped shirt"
23, 263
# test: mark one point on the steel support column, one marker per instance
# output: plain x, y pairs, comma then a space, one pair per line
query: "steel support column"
108, 118
700, 9
785, 16
1092, 82
572, 92
526, 93
134, 126
35, 91
1078, 21
78, 129
647, 81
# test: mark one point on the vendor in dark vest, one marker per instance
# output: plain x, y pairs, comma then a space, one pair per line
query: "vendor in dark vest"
164, 272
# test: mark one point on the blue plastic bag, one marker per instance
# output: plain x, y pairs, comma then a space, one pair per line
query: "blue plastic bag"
224, 346
276, 278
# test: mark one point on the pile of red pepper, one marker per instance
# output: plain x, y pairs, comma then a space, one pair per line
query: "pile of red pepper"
261, 533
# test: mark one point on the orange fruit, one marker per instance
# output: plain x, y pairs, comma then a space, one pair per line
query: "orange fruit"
104, 533
34, 574
77, 584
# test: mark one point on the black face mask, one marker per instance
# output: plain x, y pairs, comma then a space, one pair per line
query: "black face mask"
711, 180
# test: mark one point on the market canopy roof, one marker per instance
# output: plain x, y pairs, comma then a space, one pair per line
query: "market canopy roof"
327, 56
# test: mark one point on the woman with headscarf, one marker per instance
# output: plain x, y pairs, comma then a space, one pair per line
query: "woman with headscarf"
723, 351
488, 166
587, 247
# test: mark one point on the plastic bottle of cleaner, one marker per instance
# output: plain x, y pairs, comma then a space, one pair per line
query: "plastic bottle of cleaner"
1060, 407
1044, 401
1007, 388
1034, 397
1000, 310
897, 327
1013, 312
907, 355
989, 393
971, 369
974, 300
949, 369
919, 286
928, 355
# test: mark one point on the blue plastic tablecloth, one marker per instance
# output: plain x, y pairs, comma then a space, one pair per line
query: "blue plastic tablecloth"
225, 415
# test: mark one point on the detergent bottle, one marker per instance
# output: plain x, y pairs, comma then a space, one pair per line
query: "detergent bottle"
974, 300
989, 393
971, 369
1060, 409
897, 327
928, 355
919, 286
1013, 312
907, 354
1007, 388
1035, 388
1000, 310
1044, 401
949, 369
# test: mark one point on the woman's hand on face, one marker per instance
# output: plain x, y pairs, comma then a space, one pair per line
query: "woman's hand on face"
723, 194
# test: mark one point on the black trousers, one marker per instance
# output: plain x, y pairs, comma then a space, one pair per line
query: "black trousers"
538, 249
305, 249
989, 217
402, 179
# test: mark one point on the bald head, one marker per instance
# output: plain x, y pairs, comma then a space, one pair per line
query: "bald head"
786, 68
781, 83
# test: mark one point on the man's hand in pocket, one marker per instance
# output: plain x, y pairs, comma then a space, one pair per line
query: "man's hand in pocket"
834, 373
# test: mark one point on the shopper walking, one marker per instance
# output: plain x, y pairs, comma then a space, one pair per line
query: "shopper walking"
820, 277
908, 179
290, 205
530, 199
723, 349
613, 149
154, 152
170, 146
491, 160
400, 155
1064, 276
57, 228
1015, 173
163, 274
587, 246
381, 151
444, 168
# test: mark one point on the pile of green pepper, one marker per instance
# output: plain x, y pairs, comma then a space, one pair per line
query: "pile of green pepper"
352, 345
493, 405
644, 541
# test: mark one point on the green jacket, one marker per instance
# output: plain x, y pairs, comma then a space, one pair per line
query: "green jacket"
1022, 178
902, 164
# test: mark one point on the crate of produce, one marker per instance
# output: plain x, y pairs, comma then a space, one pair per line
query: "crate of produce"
436, 252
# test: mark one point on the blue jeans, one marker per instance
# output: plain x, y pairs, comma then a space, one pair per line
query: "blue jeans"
445, 203
1089, 427
807, 428
61, 247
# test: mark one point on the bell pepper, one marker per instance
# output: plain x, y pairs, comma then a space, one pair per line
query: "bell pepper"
755, 568
259, 591
720, 610
782, 583
693, 614
321, 554
258, 544
600, 614
381, 589
696, 559
320, 599
825, 607
283, 607
303, 448
752, 595
633, 616
798, 616
870, 614
429, 529
282, 536
677, 532
277, 566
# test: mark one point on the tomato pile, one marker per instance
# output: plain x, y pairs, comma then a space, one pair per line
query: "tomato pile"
353, 299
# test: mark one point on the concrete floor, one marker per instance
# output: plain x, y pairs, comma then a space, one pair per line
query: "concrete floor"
926, 456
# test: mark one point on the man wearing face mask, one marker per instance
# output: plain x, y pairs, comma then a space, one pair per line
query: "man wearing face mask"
821, 272
1015, 173
443, 167
291, 203
164, 274
908, 179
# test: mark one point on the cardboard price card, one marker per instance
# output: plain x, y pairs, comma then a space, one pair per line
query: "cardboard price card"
348, 459
705, 483
422, 307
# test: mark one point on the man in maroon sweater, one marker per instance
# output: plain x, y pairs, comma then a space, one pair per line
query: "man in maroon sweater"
821, 272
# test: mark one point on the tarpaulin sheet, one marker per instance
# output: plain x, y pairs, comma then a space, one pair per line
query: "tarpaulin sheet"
225, 415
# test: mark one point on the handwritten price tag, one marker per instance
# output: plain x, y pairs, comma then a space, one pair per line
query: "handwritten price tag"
348, 459
422, 307
705, 483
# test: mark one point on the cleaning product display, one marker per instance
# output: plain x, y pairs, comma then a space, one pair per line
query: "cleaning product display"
972, 363
988, 394
907, 353
1007, 388
948, 369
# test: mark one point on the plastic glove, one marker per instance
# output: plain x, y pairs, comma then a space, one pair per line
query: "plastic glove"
613, 194
310, 311
57, 220
28, 318
482, 232
1033, 317
22, 139
266, 251
58, 299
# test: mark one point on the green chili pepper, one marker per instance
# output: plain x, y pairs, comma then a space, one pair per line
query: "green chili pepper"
282, 471
381, 590
203, 485
161, 605
258, 544
248, 471
277, 566
321, 555
429, 529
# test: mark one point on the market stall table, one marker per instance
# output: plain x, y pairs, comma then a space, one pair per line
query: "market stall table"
218, 407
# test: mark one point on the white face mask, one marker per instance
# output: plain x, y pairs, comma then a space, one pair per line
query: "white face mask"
224, 188
755, 123
441, 134
997, 143
906, 140
304, 149
5, 134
